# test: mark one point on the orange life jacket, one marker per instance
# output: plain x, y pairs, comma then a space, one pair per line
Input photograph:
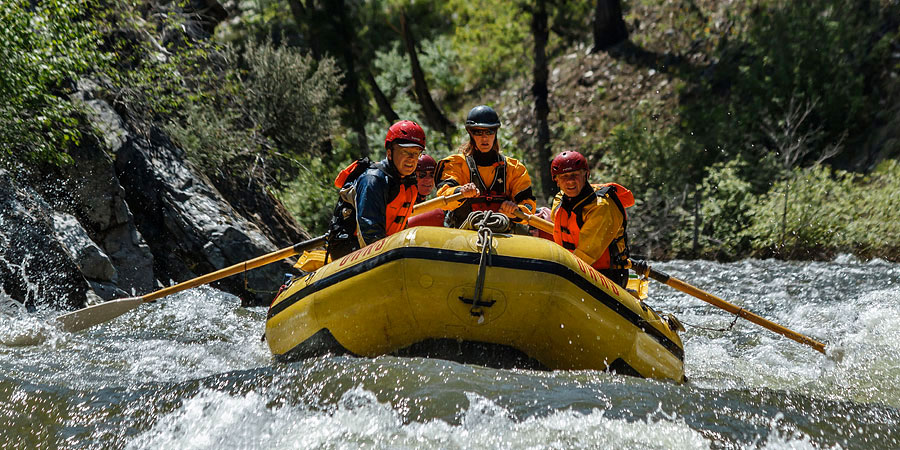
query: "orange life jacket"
567, 225
397, 211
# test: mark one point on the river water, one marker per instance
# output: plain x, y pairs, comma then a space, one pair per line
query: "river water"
190, 371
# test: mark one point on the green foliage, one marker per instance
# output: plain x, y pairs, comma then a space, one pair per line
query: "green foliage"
491, 36
725, 198
44, 48
788, 53
152, 81
830, 211
642, 153
269, 107
311, 196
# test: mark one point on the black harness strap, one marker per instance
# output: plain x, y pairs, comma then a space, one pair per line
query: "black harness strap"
498, 184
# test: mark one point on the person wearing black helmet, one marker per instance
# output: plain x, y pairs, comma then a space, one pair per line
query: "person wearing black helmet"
590, 220
487, 179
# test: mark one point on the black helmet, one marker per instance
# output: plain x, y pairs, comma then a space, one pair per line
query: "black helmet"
482, 116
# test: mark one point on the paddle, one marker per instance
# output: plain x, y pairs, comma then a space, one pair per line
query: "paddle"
103, 312
435, 203
643, 268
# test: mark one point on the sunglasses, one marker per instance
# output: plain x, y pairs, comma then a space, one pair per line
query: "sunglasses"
426, 173
483, 132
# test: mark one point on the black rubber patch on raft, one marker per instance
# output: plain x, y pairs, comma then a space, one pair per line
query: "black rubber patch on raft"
509, 262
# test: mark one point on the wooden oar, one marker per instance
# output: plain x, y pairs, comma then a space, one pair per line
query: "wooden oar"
435, 203
535, 221
103, 312
644, 269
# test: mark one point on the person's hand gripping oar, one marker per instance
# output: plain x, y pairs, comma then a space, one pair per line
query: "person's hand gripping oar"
643, 268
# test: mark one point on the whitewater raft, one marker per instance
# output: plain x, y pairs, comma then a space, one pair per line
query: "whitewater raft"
431, 291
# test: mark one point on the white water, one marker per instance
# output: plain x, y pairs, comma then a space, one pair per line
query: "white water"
190, 371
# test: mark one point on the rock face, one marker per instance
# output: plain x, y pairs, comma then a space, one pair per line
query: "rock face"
35, 268
128, 217
190, 227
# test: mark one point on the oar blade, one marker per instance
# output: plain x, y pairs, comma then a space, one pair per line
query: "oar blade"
97, 314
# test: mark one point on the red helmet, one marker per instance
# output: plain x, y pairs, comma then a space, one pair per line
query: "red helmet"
567, 162
409, 134
426, 162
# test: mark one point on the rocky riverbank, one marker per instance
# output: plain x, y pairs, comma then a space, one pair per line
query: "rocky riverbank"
130, 215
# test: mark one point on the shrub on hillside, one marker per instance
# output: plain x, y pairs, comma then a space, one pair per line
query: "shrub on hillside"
823, 53
268, 108
830, 211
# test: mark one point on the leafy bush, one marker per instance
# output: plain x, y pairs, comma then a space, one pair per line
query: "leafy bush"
725, 198
311, 197
490, 37
268, 108
44, 47
830, 211
642, 154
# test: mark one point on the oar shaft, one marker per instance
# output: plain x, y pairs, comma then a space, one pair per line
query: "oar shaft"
435, 203
260, 261
720, 303
535, 221
680, 285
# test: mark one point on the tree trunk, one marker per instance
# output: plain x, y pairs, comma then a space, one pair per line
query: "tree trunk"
352, 97
609, 26
303, 18
384, 105
540, 92
433, 115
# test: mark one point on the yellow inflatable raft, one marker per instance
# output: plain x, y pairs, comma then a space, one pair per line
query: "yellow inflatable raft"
462, 295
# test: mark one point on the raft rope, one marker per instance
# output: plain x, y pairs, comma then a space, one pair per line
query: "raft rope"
476, 220
485, 241
713, 329
247, 284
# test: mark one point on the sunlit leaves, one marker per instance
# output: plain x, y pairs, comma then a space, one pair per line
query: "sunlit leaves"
44, 47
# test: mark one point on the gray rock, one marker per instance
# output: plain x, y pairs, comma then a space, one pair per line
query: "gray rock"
98, 199
34, 268
90, 259
181, 214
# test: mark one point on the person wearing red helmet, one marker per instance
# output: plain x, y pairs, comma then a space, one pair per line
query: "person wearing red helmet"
425, 176
487, 179
590, 220
376, 199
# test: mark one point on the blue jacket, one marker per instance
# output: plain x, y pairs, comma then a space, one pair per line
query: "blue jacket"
378, 194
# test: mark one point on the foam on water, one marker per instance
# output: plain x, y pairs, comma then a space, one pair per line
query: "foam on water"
190, 371
214, 419
217, 420
188, 335
840, 303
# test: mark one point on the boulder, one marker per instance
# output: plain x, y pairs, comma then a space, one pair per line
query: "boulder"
35, 268
96, 198
189, 226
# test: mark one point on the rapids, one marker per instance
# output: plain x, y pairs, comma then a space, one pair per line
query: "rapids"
190, 371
